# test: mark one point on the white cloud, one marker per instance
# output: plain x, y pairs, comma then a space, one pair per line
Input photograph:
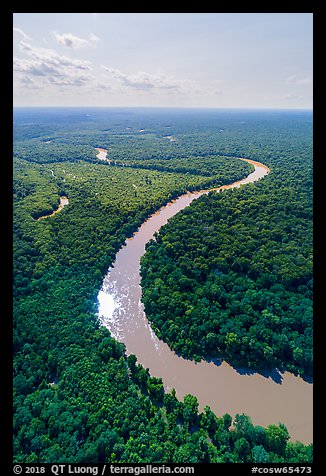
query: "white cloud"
94, 38
304, 81
22, 33
48, 56
292, 97
29, 82
144, 81
48, 71
299, 81
43, 66
299, 89
69, 40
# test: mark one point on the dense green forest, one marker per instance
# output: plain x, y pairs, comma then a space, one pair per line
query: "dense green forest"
231, 276
77, 396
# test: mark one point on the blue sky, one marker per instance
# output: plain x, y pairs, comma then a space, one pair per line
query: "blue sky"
238, 60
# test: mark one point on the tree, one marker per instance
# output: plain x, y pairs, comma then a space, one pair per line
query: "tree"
190, 409
259, 454
277, 437
209, 421
227, 420
242, 447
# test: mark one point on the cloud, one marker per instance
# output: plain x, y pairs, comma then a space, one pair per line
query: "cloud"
48, 56
304, 81
22, 33
94, 38
68, 40
29, 82
144, 81
299, 81
292, 97
299, 89
44, 66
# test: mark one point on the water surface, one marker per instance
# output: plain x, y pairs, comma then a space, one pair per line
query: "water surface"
267, 399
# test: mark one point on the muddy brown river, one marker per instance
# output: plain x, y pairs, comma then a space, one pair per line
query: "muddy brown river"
268, 399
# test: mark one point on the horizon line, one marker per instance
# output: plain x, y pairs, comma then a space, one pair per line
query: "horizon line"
171, 107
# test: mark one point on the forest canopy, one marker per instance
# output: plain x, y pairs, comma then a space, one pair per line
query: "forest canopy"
231, 275
77, 396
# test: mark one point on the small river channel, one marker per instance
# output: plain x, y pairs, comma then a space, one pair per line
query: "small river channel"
268, 399
63, 202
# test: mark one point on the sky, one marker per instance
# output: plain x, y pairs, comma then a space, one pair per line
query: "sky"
218, 60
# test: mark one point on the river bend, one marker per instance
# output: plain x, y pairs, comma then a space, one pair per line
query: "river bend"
286, 399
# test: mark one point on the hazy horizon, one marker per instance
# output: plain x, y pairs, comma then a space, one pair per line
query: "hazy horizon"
166, 60
298, 109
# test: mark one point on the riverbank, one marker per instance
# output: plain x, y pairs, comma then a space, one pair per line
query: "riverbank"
225, 390
63, 202
102, 154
